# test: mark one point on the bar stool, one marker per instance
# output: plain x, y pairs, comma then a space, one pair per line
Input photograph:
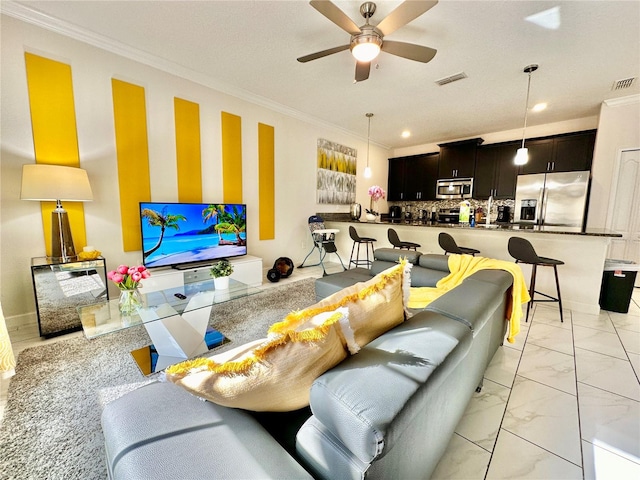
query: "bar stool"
397, 243
358, 240
449, 245
523, 252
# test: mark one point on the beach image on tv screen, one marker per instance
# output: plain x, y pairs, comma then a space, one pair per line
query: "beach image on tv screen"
178, 233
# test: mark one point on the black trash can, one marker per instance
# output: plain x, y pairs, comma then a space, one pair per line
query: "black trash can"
618, 279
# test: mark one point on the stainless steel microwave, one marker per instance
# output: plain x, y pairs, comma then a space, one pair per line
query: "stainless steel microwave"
454, 188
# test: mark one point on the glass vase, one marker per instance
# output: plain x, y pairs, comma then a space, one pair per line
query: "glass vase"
130, 300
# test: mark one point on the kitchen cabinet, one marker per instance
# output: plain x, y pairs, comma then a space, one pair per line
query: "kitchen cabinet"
458, 159
561, 153
496, 174
413, 178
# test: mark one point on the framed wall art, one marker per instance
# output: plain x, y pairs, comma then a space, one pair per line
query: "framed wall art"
336, 180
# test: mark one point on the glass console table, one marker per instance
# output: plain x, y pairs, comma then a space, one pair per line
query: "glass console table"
61, 287
176, 319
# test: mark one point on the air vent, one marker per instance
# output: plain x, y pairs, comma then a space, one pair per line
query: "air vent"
622, 84
451, 79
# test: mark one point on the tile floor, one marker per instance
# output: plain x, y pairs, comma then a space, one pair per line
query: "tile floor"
562, 402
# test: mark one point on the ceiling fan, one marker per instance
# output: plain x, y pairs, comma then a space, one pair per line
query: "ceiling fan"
367, 40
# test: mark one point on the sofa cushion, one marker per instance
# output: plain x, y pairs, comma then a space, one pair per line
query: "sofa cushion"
161, 431
272, 374
474, 300
394, 254
360, 399
435, 262
330, 284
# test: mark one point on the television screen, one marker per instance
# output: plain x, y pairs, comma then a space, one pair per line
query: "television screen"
177, 234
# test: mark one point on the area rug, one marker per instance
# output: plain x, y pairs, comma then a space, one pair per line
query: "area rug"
51, 429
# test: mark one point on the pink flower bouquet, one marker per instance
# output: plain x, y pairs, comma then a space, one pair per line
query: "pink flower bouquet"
128, 278
376, 193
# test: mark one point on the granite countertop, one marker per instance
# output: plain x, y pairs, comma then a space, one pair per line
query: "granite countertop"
509, 227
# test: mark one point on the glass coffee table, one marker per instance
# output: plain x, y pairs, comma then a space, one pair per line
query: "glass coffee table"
176, 319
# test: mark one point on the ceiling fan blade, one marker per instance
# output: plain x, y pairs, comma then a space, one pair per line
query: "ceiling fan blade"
409, 50
323, 53
405, 13
336, 15
362, 71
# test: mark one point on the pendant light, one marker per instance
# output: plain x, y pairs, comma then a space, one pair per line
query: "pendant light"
367, 170
522, 155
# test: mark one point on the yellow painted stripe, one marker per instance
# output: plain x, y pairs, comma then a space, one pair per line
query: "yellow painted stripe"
231, 158
266, 181
132, 151
188, 159
55, 138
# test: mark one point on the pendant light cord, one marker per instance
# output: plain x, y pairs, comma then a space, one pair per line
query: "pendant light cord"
529, 69
369, 115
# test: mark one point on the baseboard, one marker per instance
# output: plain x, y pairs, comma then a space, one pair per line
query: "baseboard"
17, 322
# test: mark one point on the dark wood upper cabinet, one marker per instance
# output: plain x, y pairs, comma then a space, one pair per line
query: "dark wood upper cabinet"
562, 153
574, 152
458, 159
413, 178
395, 182
540, 153
495, 174
421, 173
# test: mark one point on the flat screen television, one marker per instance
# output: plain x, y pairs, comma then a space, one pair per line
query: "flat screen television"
183, 235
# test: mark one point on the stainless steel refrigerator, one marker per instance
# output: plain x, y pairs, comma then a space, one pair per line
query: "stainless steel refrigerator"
552, 199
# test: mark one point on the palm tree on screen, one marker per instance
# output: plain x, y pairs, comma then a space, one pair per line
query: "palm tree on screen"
163, 220
233, 222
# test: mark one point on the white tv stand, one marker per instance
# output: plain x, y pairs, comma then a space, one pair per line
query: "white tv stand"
246, 269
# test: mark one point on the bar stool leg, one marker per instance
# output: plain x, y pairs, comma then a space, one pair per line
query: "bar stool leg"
532, 289
555, 270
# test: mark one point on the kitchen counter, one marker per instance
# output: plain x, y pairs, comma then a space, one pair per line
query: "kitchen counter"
558, 230
584, 253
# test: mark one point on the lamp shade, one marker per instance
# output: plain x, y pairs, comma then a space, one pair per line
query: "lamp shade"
55, 182
522, 156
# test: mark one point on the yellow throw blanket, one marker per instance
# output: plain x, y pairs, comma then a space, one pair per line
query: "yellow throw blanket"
461, 266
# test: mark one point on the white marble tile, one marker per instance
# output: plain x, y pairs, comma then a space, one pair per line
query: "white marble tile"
550, 314
635, 362
514, 457
551, 337
598, 322
503, 366
462, 460
610, 421
607, 373
601, 464
630, 340
544, 416
481, 420
598, 341
549, 367
625, 321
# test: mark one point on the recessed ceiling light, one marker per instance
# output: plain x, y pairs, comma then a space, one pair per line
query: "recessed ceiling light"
406, 134
539, 107
549, 19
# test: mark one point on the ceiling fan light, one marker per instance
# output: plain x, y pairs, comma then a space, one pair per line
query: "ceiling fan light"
365, 52
522, 156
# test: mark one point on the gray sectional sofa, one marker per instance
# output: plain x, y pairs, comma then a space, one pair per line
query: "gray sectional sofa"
387, 412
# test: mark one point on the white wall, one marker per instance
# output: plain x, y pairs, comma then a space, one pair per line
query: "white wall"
619, 128
21, 233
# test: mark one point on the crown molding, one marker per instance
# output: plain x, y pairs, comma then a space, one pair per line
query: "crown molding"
617, 102
61, 27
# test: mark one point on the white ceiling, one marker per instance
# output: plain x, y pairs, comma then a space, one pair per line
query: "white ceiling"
249, 48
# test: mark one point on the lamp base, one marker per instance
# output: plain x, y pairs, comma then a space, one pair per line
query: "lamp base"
62, 249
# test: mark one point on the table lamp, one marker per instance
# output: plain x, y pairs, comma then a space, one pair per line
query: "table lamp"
57, 183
